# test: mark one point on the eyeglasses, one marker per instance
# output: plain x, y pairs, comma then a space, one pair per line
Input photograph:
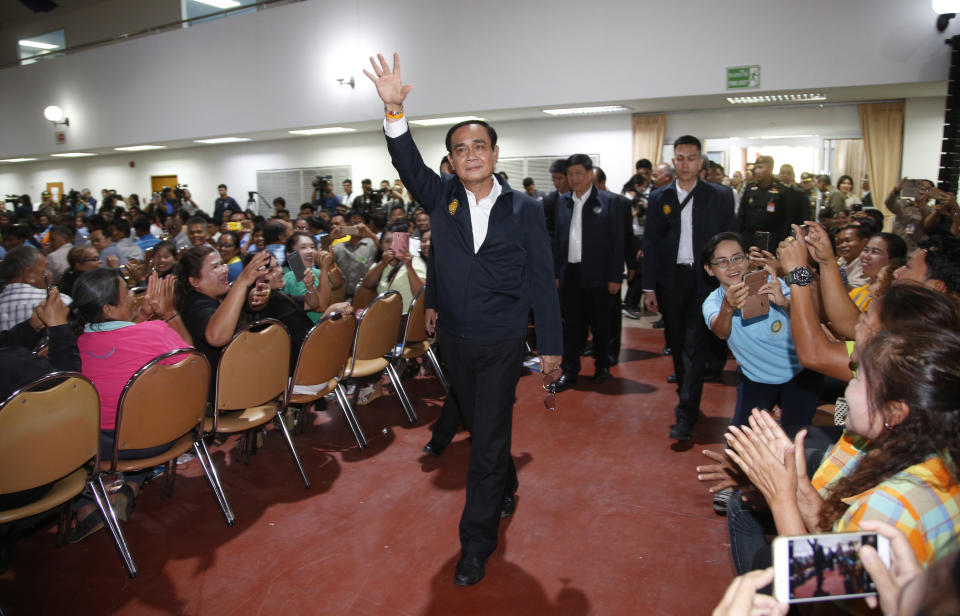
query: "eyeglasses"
546, 380
91, 260
227, 245
723, 264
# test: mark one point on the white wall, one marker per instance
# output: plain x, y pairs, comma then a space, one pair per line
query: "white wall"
203, 168
276, 69
922, 137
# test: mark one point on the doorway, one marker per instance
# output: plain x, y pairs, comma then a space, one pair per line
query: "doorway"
158, 182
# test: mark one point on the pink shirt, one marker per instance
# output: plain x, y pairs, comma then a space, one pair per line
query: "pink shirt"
110, 358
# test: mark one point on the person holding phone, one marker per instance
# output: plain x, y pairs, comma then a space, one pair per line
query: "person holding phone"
770, 372
894, 463
403, 273
228, 245
323, 280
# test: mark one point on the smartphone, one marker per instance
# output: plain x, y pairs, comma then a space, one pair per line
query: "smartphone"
349, 230
235, 225
46, 283
911, 189
325, 241
803, 228
761, 239
296, 265
757, 304
414, 246
401, 244
824, 567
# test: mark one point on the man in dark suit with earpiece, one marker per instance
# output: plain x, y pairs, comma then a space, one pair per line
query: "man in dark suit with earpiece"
681, 217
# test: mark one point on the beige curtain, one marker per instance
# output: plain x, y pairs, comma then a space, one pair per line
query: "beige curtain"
850, 159
648, 133
882, 128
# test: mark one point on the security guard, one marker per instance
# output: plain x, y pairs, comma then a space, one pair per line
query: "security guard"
808, 184
769, 205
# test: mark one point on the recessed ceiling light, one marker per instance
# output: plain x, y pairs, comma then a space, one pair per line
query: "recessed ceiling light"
220, 4
17, 160
222, 140
140, 148
441, 121
74, 154
586, 110
797, 97
331, 130
37, 44
786, 136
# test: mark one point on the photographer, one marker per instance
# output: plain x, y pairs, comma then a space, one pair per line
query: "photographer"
323, 195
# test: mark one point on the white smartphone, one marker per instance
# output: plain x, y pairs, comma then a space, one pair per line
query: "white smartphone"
824, 567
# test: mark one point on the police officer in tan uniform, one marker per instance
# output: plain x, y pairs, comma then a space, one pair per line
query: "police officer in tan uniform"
769, 205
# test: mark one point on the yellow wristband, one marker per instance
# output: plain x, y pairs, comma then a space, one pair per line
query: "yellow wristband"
394, 116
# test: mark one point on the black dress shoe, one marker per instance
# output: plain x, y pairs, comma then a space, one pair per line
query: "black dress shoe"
587, 352
601, 375
667, 350
659, 324
614, 360
713, 377
682, 430
434, 449
566, 381
508, 506
470, 570
672, 378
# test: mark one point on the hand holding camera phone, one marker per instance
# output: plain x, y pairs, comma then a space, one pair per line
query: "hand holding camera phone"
757, 303
824, 567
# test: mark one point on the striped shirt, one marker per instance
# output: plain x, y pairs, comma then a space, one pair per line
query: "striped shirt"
17, 301
922, 501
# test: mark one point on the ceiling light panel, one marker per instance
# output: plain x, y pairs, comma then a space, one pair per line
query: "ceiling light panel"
140, 148
37, 44
330, 130
74, 154
442, 121
596, 109
222, 140
796, 97
220, 4
17, 160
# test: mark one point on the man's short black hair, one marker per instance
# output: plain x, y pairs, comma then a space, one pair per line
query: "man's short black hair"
943, 261
688, 140
63, 231
398, 207
644, 163
863, 233
281, 201
347, 181
272, 231
490, 131
367, 181
363, 215
142, 224
197, 220
823, 177
580, 159
559, 166
223, 186
528, 182
378, 220
17, 230
122, 226
601, 176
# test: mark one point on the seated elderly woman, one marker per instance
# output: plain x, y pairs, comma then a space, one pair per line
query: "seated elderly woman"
894, 463
404, 273
209, 305
117, 340
770, 372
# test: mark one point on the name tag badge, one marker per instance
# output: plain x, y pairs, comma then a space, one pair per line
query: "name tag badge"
771, 207
911, 229
597, 209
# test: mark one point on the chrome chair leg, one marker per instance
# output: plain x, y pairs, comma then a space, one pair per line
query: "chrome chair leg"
402, 394
351, 417
293, 451
110, 518
438, 370
210, 472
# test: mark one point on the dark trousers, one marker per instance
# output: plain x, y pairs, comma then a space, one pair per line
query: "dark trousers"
445, 428
688, 337
583, 308
797, 397
484, 374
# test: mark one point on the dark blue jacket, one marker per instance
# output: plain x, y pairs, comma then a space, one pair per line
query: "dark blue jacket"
712, 213
486, 295
602, 223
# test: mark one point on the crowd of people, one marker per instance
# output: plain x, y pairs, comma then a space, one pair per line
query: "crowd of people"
817, 304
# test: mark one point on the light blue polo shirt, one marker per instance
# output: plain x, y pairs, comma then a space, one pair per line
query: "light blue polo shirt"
763, 346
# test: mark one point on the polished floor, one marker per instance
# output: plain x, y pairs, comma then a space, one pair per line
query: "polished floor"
610, 518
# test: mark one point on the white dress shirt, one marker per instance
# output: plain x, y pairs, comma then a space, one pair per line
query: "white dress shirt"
479, 209
575, 251
685, 249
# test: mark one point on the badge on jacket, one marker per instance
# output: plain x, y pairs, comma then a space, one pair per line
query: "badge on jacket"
452, 208
666, 210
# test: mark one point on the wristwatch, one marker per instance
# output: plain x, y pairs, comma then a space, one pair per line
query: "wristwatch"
800, 276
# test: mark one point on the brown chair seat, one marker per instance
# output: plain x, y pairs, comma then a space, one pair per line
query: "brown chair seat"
364, 367
416, 349
182, 445
61, 492
304, 398
239, 421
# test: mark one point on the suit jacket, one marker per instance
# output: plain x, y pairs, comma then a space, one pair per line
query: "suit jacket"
484, 295
602, 221
712, 214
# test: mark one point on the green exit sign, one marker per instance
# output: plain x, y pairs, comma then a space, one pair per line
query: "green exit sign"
742, 77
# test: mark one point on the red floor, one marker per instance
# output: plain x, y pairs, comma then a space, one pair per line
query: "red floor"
610, 518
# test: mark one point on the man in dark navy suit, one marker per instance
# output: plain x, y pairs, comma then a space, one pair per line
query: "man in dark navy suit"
588, 260
681, 217
492, 262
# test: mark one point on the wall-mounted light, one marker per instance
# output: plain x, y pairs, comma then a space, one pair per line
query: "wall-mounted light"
945, 10
347, 81
56, 115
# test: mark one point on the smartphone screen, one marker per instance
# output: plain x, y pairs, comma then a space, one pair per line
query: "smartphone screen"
824, 567
762, 240
296, 265
234, 226
349, 230
46, 283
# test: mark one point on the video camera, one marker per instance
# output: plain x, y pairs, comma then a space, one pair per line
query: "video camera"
178, 191
320, 181
14, 199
